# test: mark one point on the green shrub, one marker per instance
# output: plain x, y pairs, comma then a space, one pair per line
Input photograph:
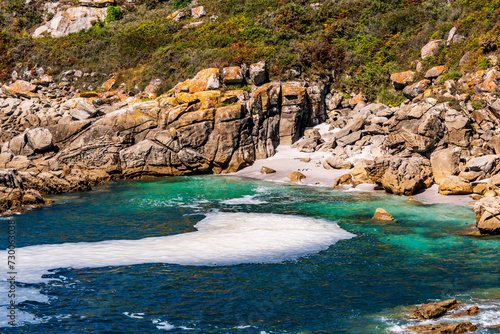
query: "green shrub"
113, 13
178, 4
483, 63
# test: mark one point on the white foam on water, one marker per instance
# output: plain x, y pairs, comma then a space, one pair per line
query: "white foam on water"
164, 325
222, 239
134, 315
247, 199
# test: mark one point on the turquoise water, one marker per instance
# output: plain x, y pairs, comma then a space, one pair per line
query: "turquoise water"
355, 285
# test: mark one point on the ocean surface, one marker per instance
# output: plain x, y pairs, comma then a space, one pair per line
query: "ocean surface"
215, 254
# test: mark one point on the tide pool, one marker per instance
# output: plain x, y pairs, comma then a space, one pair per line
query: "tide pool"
212, 254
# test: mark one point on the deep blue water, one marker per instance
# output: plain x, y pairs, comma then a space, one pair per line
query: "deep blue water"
359, 285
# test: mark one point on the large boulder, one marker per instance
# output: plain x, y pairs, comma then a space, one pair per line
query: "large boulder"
402, 79
434, 72
419, 135
416, 89
39, 139
258, 73
71, 20
487, 211
401, 175
454, 185
430, 49
20, 88
206, 79
232, 75
445, 163
336, 162
80, 108
486, 164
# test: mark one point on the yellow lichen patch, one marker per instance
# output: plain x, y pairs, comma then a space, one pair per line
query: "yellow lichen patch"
186, 98
229, 113
208, 98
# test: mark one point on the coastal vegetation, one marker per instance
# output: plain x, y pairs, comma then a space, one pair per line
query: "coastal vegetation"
356, 44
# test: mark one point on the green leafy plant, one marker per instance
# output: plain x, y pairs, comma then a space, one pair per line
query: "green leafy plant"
113, 13
179, 4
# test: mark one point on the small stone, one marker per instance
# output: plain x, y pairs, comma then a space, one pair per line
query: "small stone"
305, 159
267, 170
381, 214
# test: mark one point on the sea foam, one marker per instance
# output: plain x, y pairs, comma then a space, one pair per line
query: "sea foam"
221, 239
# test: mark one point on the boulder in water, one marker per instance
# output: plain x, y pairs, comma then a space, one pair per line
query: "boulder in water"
381, 214
433, 310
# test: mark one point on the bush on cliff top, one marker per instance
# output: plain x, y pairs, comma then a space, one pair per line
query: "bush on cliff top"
356, 43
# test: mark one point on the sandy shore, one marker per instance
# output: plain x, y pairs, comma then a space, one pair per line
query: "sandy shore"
287, 160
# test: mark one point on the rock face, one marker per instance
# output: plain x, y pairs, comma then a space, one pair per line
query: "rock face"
445, 163
433, 310
13, 195
401, 175
487, 212
71, 20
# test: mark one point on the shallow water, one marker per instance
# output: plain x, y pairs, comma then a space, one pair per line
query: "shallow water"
223, 255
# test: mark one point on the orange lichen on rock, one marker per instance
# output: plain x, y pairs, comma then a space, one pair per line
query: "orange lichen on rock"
232, 75
489, 83
108, 84
434, 72
401, 79
20, 87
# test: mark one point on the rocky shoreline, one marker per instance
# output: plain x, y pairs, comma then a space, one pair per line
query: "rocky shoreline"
57, 139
